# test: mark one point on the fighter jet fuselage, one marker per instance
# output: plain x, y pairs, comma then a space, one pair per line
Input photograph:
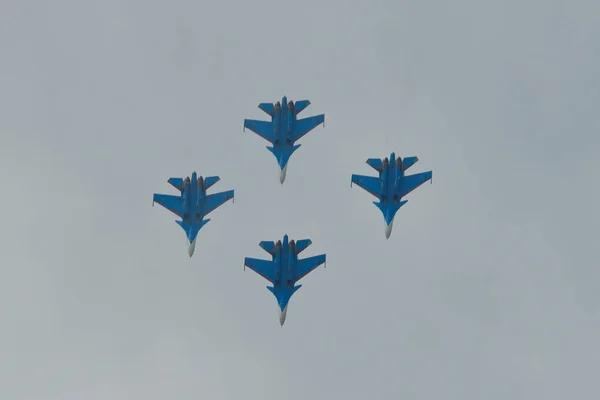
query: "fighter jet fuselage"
285, 269
193, 204
391, 185
284, 130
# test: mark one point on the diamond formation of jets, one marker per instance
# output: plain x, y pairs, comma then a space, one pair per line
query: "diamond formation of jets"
284, 129
193, 204
285, 269
391, 185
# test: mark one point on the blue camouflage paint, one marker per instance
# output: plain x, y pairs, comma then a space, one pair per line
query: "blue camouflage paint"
285, 129
284, 269
193, 204
392, 184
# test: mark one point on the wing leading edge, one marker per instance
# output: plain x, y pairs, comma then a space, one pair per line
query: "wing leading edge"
213, 201
264, 268
305, 125
309, 264
170, 202
369, 183
264, 129
411, 182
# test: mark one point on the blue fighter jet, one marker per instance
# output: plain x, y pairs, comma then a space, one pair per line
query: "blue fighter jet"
193, 204
285, 269
391, 185
284, 130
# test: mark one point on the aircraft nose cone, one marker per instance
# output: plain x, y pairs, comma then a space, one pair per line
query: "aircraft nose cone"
282, 174
192, 247
388, 229
282, 315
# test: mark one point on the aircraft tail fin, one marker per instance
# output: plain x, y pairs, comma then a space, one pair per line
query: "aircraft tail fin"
268, 246
375, 163
269, 108
409, 162
210, 181
302, 244
300, 105
176, 183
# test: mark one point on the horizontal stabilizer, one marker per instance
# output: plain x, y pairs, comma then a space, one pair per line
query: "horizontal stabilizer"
187, 226
191, 230
210, 181
391, 206
264, 129
302, 244
269, 108
389, 210
264, 268
375, 163
268, 246
411, 182
274, 291
303, 126
283, 156
369, 183
307, 265
170, 202
409, 162
300, 105
177, 183
213, 201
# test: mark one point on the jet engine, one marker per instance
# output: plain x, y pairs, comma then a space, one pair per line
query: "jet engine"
399, 162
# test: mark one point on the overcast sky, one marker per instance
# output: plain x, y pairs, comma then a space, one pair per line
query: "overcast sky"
487, 288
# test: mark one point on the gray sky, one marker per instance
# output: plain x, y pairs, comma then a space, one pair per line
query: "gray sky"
487, 288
